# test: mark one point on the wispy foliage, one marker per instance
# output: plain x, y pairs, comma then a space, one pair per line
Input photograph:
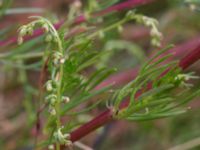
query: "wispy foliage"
76, 65
158, 91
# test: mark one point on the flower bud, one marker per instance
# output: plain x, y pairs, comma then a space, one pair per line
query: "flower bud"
58, 58
155, 42
62, 60
60, 137
23, 31
129, 14
153, 32
52, 111
51, 99
65, 99
49, 87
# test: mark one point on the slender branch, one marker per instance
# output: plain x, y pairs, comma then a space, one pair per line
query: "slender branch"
82, 18
106, 116
36, 33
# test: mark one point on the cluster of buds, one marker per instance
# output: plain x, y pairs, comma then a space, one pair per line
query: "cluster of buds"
50, 86
183, 78
62, 138
29, 28
51, 98
149, 22
50, 37
58, 59
155, 34
52, 110
25, 30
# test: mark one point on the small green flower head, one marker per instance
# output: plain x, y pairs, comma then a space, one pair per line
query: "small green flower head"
65, 99
49, 86
52, 111
183, 78
58, 59
130, 14
23, 30
51, 99
62, 138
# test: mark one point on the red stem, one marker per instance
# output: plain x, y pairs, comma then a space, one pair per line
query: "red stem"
125, 5
106, 116
190, 58
95, 123
118, 7
189, 45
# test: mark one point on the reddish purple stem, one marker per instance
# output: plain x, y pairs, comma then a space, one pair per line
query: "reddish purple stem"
95, 123
125, 5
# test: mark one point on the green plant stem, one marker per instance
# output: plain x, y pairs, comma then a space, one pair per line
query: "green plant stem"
109, 27
103, 30
59, 77
59, 93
